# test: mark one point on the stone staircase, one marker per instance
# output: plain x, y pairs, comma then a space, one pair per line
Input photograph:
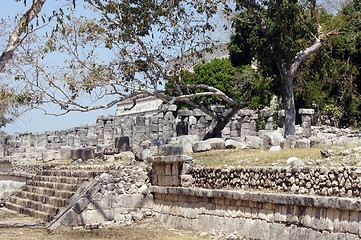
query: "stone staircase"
49, 190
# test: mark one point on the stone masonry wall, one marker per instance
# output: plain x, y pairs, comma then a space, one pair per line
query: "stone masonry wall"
341, 182
117, 196
257, 215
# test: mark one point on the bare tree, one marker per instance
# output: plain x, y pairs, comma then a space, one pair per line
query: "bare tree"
123, 54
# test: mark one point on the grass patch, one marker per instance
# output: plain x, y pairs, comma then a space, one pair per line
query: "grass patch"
254, 157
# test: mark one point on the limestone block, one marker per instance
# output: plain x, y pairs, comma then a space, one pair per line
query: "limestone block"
245, 112
68, 218
305, 111
81, 204
232, 144
330, 218
184, 112
253, 142
216, 143
175, 170
168, 169
303, 143
280, 213
266, 113
172, 149
314, 141
65, 152
198, 113
129, 201
275, 149
48, 156
83, 153
201, 146
354, 222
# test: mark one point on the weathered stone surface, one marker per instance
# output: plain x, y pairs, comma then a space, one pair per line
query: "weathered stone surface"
253, 142
83, 153
201, 146
275, 149
122, 144
216, 143
143, 155
303, 143
172, 149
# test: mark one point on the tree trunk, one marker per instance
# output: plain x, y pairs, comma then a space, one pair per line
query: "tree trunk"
221, 123
289, 104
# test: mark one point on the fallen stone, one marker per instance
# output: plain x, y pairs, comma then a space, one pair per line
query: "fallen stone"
303, 143
201, 146
143, 155
325, 153
295, 162
253, 142
124, 155
216, 143
275, 149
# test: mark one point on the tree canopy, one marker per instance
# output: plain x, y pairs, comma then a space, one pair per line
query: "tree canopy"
280, 35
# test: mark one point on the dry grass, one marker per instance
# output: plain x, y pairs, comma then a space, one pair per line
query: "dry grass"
121, 233
257, 157
253, 157
140, 231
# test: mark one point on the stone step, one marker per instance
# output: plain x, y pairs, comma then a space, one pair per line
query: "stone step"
30, 212
60, 179
48, 191
55, 185
73, 173
39, 206
54, 201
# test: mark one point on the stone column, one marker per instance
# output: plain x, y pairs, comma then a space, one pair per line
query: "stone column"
281, 117
306, 115
248, 124
169, 130
182, 126
167, 170
267, 114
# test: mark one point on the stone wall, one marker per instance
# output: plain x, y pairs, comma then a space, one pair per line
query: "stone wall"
10, 180
256, 215
341, 182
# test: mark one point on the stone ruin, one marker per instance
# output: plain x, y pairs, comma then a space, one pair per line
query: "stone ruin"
149, 123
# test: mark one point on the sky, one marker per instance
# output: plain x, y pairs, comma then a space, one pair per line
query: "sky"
36, 120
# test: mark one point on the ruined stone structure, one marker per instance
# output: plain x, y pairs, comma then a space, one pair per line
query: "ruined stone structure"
172, 199
148, 120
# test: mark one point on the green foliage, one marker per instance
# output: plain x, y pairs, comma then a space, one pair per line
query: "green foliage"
331, 80
12, 103
290, 30
221, 74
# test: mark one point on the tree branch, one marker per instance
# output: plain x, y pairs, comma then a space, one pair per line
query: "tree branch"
21, 28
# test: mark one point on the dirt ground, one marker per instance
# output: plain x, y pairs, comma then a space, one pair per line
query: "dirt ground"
14, 226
